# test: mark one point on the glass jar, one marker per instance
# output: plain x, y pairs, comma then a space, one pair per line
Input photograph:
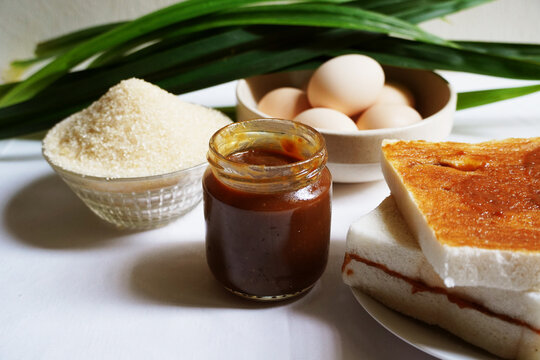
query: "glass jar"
267, 206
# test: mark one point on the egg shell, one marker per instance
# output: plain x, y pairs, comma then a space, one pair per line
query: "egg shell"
387, 116
284, 103
348, 83
395, 93
324, 118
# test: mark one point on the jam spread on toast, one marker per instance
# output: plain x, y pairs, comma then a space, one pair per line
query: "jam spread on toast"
484, 195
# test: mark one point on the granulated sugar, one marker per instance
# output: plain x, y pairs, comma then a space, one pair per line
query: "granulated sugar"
135, 129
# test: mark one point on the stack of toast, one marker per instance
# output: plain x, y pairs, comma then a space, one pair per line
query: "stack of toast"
457, 244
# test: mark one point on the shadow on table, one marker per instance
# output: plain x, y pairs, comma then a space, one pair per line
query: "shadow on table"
47, 214
178, 275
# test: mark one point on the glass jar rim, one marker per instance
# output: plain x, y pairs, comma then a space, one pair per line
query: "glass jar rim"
257, 133
319, 152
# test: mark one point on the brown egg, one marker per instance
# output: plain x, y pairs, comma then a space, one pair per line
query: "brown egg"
284, 103
329, 119
395, 93
382, 116
348, 83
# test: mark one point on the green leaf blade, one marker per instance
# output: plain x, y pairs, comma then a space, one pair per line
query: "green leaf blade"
471, 99
530, 52
416, 55
417, 11
60, 44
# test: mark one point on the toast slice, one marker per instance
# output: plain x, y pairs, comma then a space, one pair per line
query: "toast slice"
474, 208
384, 260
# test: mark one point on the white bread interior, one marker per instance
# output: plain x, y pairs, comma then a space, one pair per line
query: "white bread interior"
463, 265
383, 237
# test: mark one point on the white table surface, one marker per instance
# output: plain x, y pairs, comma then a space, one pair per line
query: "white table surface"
72, 287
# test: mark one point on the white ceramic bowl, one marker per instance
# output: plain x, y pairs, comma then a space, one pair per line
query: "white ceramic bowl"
354, 156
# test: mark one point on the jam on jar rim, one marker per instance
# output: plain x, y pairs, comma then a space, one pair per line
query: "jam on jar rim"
307, 145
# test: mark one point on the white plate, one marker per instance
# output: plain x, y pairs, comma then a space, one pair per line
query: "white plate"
430, 339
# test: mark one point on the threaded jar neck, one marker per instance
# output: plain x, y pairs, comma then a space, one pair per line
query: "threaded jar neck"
281, 136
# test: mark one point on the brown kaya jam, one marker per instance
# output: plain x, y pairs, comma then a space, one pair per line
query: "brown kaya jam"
267, 207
